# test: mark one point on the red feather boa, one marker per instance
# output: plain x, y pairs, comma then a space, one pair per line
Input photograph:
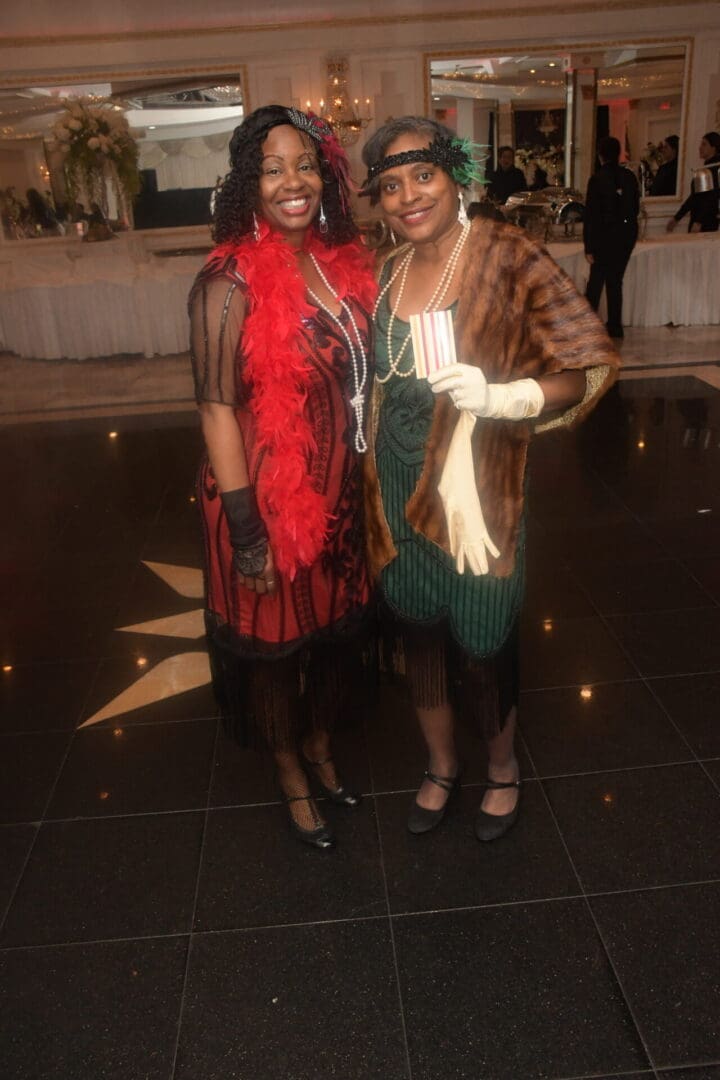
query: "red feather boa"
275, 352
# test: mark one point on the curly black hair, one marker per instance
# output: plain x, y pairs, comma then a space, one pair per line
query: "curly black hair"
237, 197
375, 148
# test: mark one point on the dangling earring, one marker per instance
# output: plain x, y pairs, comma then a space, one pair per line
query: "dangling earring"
256, 228
393, 238
322, 220
462, 213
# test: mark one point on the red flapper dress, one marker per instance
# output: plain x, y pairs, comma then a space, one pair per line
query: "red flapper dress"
283, 662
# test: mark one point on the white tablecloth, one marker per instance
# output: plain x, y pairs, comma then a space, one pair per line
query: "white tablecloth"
670, 279
112, 298
95, 302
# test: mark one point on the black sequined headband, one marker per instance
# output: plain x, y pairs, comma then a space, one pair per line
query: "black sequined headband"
453, 155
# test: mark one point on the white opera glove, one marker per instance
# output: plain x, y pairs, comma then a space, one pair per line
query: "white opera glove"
469, 389
469, 539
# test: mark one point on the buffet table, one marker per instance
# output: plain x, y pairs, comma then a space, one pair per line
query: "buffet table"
670, 279
65, 299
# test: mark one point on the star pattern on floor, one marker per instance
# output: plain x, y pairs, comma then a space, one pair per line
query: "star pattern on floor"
175, 674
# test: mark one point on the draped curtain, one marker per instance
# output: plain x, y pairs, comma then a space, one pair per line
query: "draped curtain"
186, 163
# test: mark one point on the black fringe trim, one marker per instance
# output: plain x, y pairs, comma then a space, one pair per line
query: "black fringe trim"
438, 671
268, 702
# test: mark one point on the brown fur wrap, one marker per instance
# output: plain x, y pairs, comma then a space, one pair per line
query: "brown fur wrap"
519, 316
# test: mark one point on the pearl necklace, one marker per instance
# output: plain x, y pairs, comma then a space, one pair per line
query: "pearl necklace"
357, 355
433, 303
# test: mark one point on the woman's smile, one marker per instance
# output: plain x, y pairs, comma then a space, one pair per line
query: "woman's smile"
417, 215
297, 205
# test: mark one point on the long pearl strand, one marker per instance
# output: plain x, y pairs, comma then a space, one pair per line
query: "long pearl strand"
433, 303
357, 355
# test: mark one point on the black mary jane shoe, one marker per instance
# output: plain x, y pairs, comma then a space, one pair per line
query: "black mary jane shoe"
321, 837
422, 820
339, 795
493, 826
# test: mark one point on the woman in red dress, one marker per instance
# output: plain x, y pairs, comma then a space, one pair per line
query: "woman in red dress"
280, 349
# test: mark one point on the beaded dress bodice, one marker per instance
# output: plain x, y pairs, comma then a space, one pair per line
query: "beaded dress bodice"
407, 403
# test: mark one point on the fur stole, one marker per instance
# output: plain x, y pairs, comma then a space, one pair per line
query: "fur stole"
275, 351
519, 316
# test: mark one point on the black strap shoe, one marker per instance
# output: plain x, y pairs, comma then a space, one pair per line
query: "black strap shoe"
493, 826
321, 836
422, 820
339, 795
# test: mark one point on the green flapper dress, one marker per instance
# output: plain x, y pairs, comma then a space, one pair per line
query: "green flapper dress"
421, 586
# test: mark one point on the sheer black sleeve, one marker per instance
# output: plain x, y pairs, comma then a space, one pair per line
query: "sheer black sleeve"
217, 309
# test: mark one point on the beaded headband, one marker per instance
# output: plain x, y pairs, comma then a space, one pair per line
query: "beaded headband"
454, 155
314, 125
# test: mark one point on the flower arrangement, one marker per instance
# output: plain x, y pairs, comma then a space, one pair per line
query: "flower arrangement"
95, 139
651, 159
653, 155
550, 159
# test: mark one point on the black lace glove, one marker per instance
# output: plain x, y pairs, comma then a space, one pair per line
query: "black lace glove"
248, 535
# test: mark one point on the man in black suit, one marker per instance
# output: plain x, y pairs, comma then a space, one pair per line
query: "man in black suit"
703, 205
507, 178
610, 230
665, 179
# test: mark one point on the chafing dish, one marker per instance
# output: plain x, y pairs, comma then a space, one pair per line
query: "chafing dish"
552, 213
706, 179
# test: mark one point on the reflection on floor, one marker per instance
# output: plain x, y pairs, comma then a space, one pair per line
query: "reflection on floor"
157, 921
112, 386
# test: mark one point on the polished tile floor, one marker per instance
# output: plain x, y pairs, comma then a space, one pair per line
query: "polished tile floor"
121, 385
157, 921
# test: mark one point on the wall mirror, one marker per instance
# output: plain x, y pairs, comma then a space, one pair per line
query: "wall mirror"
182, 126
553, 105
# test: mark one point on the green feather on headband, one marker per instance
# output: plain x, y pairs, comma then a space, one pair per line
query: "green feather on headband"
467, 162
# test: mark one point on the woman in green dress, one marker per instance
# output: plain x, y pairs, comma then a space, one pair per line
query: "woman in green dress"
445, 487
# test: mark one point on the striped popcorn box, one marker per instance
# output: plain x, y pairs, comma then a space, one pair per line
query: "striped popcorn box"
433, 341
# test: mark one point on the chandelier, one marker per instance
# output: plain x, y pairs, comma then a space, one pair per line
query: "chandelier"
342, 114
547, 125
